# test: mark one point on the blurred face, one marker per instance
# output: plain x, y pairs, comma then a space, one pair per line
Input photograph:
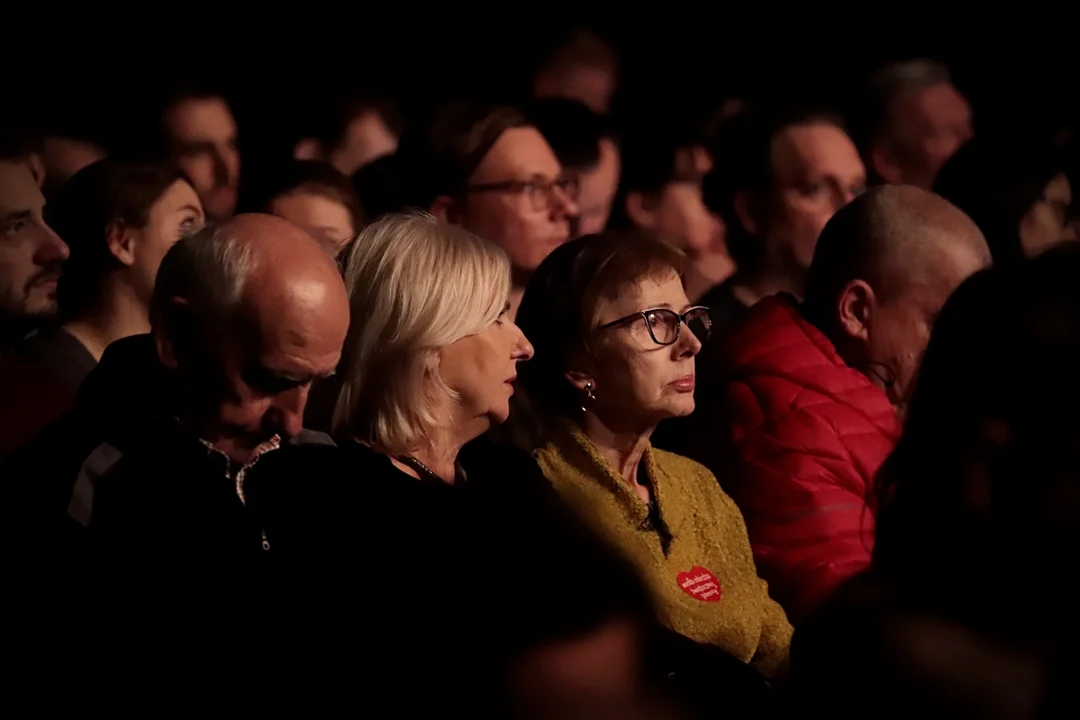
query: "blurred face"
176, 213
516, 200
203, 136
1047, 222
929, 126
899, 328
596, 190
481, 369
257, 382
816, 171
326, 220
598, 675
31, 254
636, 381
367, 138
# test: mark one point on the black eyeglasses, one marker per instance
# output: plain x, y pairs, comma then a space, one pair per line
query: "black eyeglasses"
539, 191
664, 324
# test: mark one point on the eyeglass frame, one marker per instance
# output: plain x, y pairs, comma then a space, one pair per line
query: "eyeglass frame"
644, 315
568, 184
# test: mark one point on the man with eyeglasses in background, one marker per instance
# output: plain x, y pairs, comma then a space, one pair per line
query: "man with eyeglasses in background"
490, 170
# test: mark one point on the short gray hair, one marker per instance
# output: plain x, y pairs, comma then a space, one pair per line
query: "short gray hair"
208, 270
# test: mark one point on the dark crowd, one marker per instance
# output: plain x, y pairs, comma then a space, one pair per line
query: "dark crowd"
543, 406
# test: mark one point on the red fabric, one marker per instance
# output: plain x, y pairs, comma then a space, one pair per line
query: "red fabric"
30, 399
809, 435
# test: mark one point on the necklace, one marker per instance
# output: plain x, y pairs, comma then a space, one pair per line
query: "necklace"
428, 473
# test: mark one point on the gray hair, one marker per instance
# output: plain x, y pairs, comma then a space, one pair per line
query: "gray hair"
208, 270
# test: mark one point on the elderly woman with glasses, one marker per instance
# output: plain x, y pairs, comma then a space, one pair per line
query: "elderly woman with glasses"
615, 339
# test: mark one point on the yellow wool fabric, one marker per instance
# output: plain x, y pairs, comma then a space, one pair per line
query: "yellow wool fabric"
707, 540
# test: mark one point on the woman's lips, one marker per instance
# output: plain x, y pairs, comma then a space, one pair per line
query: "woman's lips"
684, 384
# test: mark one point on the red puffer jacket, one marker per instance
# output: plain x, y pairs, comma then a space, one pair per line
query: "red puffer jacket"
809, 433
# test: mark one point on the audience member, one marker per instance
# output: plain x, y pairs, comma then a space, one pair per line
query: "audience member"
199, 133
787, 172
119, 219
31, 254
619, 361
918, 119
1017, 192
581, 66
585, 146
348, 130
979, 491
804, 409
490, 171
313, 196
660, 190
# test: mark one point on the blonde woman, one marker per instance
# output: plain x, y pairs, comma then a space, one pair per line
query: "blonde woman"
424, 563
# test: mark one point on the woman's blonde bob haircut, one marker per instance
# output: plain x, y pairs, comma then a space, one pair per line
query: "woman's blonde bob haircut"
415, 286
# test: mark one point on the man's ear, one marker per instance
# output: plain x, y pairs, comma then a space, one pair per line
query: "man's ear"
855, 308
641, 209
308, 149
175, 332
581, 380
121, 239
745, 208
883, 162
445, 208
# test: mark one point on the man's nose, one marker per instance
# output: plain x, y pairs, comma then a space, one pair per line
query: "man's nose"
52, 248
290, 408
564, 205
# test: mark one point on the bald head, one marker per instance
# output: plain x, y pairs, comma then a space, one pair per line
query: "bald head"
893, 237
250, 313
883, 267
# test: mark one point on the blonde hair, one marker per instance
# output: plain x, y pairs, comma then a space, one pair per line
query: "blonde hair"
415, 285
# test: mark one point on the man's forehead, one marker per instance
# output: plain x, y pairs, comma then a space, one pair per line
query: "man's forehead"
18, 190
810, 148
518, 154
201, 117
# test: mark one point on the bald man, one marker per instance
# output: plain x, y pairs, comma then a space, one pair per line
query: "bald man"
808, 406
245, 317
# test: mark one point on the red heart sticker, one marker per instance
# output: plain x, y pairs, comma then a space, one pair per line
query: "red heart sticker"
701, 584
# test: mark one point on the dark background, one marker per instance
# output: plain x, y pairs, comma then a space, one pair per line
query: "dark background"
1014, 68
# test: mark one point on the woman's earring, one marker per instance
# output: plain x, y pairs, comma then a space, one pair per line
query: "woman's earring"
588, 394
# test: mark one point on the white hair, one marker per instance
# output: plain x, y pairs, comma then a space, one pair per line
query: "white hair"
415, 285
208, 270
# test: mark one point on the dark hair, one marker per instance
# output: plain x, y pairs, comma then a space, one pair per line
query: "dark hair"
987, 410
81, 212
649, 153
15, 144
332, 115
144, 135
571, 129
380, 187
441, 158
296, 176
996, 180
743, 162
559, 307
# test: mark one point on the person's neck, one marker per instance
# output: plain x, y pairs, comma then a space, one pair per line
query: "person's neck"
623, 448
440, 453
119, 315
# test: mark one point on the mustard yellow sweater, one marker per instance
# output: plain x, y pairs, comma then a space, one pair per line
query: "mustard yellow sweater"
701, 570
